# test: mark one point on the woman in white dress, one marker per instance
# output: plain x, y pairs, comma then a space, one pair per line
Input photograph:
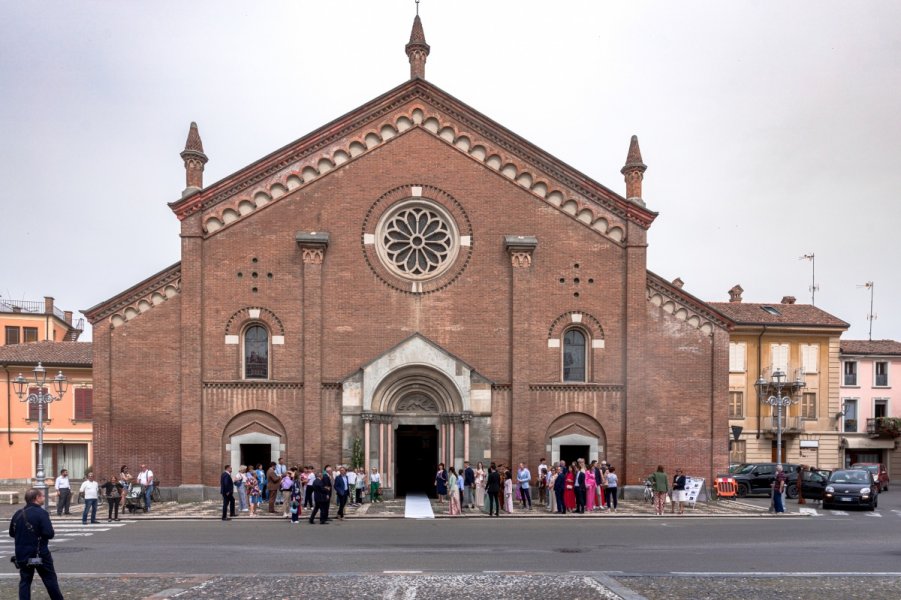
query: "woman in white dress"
552, 497
508, 492
480, 485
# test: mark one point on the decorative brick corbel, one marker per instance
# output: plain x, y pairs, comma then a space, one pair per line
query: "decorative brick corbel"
520, 249
313, 245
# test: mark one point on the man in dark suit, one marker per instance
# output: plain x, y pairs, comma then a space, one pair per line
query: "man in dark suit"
492, 489
320, 501
327, 485
469, 485
273, 482
31, 528
341, 490
227, 489
559, 488
579, 488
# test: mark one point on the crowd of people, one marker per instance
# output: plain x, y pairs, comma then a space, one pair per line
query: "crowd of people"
576, 488
290, 490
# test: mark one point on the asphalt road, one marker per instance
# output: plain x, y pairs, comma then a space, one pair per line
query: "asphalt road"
849, 542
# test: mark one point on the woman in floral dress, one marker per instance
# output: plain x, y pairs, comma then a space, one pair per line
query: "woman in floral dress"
453, 499
252, 486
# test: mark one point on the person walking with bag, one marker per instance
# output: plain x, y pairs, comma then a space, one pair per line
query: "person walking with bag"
32, 529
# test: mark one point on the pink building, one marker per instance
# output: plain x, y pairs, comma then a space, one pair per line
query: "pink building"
870, 391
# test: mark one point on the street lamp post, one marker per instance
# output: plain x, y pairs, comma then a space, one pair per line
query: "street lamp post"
779, 393
41, 398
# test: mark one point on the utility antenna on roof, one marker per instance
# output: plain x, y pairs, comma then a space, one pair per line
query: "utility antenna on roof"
870, 285
814, 288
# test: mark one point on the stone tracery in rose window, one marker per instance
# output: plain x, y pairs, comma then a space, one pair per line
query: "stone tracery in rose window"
417, 240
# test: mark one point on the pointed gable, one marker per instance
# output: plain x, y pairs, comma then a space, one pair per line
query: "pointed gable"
415, 104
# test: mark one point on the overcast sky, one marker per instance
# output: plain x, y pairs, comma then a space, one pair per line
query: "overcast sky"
770, 129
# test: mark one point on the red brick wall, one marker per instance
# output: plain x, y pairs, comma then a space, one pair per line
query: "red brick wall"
665, 398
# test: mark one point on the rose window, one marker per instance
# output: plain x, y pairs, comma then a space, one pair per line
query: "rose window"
417, 240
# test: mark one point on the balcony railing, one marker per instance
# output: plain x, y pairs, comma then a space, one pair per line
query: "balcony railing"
884, 427
789, 424
35, 307
881, 379
850, 379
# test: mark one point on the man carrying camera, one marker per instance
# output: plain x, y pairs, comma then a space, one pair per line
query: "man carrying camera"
31, 528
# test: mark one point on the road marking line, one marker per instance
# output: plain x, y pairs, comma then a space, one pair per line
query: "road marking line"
402, 572
839, 513
873, 514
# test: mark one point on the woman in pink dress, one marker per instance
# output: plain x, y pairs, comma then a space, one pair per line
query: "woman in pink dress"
591, 488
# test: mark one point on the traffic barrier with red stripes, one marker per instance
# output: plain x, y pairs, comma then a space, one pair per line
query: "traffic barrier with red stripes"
726, 487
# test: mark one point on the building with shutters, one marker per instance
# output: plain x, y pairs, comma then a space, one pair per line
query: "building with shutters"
415, 279
871, 402
68, 430
802, 341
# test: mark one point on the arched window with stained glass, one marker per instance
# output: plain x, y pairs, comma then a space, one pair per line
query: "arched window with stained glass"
256, 352
575, 355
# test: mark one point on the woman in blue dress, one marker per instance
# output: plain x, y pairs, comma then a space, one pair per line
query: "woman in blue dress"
441, 483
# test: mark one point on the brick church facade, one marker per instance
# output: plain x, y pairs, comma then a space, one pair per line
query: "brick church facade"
415, 277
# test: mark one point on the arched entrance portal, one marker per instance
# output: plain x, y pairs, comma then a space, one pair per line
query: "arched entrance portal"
574, 435
420, 423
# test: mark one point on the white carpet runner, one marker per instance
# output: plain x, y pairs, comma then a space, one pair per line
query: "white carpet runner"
418, 506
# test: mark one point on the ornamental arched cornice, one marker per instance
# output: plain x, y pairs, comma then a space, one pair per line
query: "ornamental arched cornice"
576, 318
162, 291
604, 218
248, 314
670, 303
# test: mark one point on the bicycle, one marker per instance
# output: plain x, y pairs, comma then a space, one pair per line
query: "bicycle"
648, 491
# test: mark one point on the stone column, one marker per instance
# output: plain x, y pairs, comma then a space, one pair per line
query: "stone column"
382, 451
521, 249
367, 448
312, 246
451, 438
441, 446
467, 419
389, 461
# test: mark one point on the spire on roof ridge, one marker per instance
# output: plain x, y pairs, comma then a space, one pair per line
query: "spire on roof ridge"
193, 143
194, 160
417, 49
633, 171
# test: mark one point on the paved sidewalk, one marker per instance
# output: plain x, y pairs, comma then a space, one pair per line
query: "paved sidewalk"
394, 509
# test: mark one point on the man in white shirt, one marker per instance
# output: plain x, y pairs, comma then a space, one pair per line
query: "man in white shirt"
63, 492
91, 491
352, 485
145, 478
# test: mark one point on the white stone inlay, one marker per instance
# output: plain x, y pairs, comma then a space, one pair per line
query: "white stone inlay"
577, 317
466, 240
597, 343
254, 313
368, 238
232, 340
416, 191
278, 340
553, 342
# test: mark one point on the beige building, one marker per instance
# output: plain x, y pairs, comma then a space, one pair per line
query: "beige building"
803, 342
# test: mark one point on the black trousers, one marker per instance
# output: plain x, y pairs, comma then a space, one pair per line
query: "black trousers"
228, 505
65, 496
359, 496
561, 507
342, 502
308, 497
493, 505
47, 574
113, 512
322, 509
580, 499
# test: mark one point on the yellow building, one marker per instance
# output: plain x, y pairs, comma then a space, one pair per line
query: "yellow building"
38, 332
803, 342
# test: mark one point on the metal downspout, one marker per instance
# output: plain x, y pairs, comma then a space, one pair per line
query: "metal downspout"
9, 414
759, 374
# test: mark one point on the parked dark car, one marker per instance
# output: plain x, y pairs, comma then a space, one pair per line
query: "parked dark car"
851, 487
878, 471
758, 478
813, 484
